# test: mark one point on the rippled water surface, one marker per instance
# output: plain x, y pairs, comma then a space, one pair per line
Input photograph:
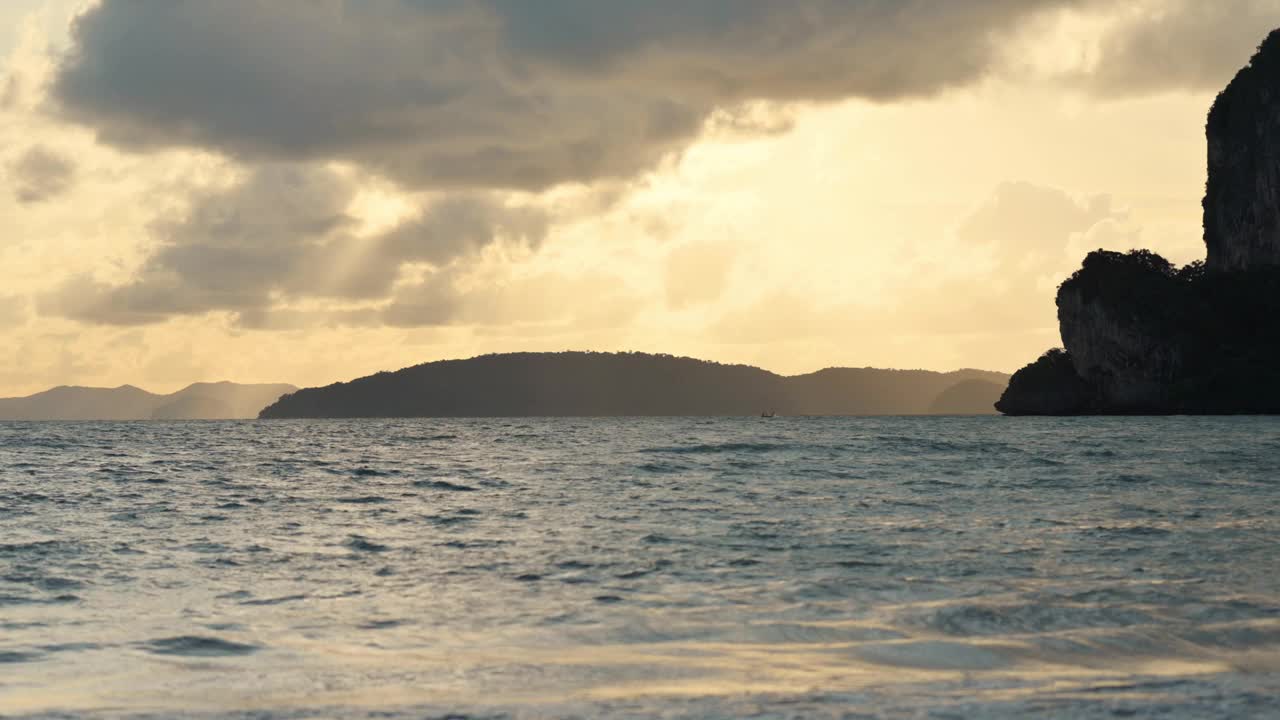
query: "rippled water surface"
793, 567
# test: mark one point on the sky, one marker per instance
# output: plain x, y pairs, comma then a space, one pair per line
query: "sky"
307, 192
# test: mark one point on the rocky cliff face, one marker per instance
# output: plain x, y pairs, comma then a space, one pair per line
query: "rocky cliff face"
1142, 336
1048, 386
1242, 198
1116, 318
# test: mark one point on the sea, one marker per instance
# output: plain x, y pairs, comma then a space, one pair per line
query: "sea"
898, 567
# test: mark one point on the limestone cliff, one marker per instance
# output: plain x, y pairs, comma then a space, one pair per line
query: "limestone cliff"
1048, 386
1117, 319
1142, 336
1242, 197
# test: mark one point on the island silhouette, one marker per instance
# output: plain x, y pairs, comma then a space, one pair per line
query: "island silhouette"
1141, 336
636, 384
198, 401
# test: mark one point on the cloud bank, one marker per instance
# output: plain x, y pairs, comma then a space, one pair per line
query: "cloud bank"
1179, 45
480, 109
498, 93
282, 234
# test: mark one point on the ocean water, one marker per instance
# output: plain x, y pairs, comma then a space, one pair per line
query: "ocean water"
791, 567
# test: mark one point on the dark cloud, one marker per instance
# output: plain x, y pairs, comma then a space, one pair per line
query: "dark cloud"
1181, 45
470, 98
498, 93
435, 301
461, 225
283, 234
40, 174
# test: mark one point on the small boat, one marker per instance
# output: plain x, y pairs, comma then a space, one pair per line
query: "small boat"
767, 414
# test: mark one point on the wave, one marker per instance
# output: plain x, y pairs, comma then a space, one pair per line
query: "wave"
934, 444
728, 447
989, 620
16, 656
38, 547
198, 646
832, 550
62, 599
363, 544
443, 485
275, 600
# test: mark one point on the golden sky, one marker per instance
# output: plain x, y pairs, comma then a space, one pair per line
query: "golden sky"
267, 191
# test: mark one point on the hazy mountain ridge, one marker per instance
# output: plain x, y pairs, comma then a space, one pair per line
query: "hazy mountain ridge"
199, 401
611, 384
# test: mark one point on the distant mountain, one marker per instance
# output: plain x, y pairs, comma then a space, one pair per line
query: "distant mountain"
195, 406
969, 397
610, 384
220, 400
81, 403
201, 401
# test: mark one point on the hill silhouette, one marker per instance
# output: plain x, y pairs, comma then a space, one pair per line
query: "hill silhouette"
200, 401
617, 384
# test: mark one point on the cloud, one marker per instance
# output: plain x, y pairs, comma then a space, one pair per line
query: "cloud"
994, 277
697, 273
1160, 45
461, 225
553, 300
1027, 228
786, 315
540, 303
40, 174
1018, 245
283, 233
431, 302
10, 92
461, 102
13, 311
499, 93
